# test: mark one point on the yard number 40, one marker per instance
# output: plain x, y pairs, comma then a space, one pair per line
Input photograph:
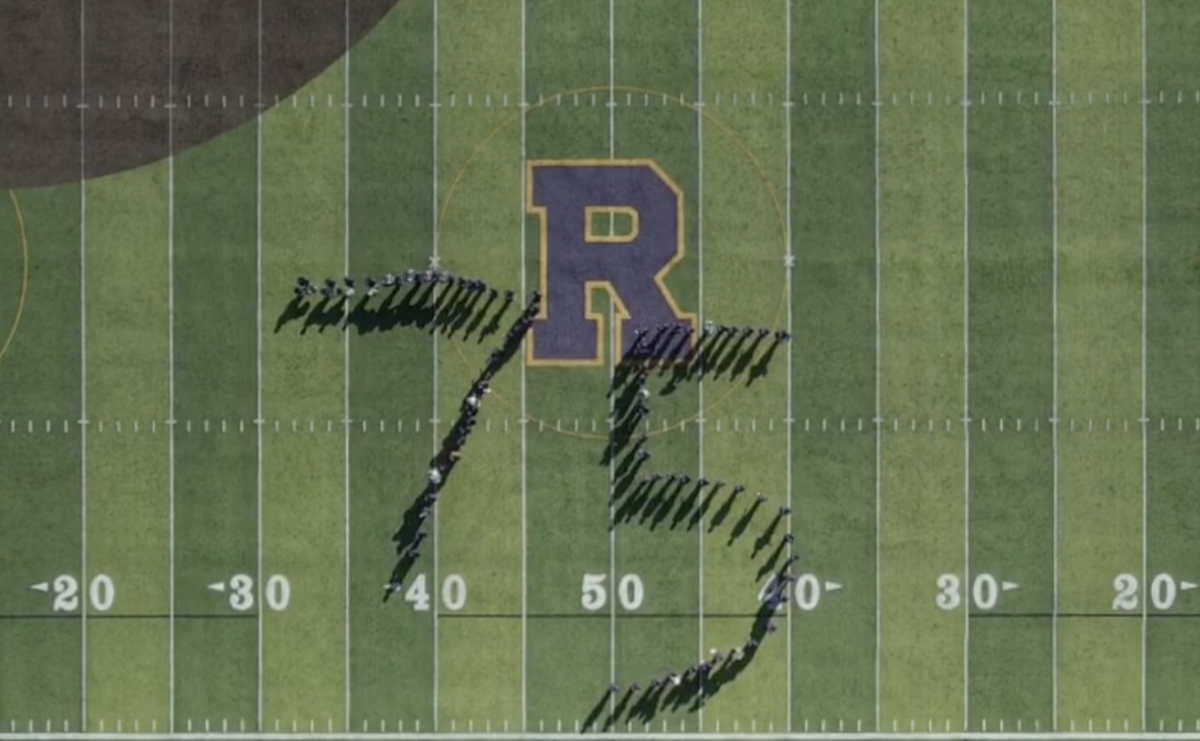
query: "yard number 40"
454, 593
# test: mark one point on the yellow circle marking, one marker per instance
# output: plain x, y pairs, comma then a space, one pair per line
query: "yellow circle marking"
702, 111
12, 331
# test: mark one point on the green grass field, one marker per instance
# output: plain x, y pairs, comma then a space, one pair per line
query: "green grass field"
979, 218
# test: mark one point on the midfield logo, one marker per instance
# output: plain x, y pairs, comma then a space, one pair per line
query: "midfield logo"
578, 260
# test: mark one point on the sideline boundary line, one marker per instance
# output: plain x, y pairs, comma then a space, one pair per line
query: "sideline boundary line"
630, 736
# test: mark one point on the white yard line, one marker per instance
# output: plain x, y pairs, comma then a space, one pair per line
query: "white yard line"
83, 427
878, 100
1054, 354
966, 366
258, 356
787, 138
434, 106
171, 352
612, 81
612, 363
1144, 414
612, 531
346, 348
700, 311
523, 102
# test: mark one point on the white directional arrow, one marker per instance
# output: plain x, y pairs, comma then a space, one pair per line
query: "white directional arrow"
1186, 585
41, 586
832, 586
217, 586
1008, 585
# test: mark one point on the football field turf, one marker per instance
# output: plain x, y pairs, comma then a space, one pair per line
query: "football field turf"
978, 219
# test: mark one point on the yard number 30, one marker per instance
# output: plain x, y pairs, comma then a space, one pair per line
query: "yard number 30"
985, 591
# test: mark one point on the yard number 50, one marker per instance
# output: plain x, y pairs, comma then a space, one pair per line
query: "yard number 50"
630, 592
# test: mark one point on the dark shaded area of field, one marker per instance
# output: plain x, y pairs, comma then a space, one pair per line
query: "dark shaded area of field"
121, 63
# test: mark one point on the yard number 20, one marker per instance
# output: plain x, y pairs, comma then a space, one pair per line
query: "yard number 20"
1163, 590
101, 593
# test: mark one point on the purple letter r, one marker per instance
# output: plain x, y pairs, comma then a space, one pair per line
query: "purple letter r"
576, 262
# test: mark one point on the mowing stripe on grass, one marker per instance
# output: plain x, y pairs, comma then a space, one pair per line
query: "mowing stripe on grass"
303, 474
833, 376
39, 494
127, 373
567, 482
922, 337
1011, 364
656, 48
391, 224
744, 286
1173, 320
215, 511
1100, 328
126, 378
127, 466
479, 518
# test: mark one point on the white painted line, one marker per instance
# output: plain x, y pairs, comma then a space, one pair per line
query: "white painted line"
346, 355
700, 306
171, 360
433, 427
631, 736
258, 383
1145, 429
612, 362
524, 427
790, 263
878, 387
966, 366
1054, 359
83, 435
